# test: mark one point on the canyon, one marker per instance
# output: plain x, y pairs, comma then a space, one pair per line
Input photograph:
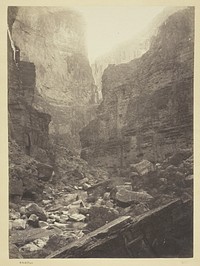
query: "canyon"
85, 162
147, 103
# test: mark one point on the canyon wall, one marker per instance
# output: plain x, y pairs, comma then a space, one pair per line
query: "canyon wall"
30, 151
53, 39
128, 50
147, 107
27, 126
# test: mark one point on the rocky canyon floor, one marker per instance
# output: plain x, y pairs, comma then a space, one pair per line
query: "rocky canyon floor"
100, 155
68, 212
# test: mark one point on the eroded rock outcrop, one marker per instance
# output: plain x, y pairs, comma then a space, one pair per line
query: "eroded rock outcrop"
147, 106
53, 39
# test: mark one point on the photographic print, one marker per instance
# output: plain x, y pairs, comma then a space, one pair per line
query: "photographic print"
100, 131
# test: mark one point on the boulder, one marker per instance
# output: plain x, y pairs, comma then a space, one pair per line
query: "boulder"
50, 221
82, 195
69, 198
83, 211
75, 206
99, 202
163, 180
44, 171
45, 202
127, 196
86, 186
22, 210
68, 189
142, 168
106, 196
79, 203
29, 248
33, 208
128, 187
77, 217
84, 180
64, 212
43, 224
41, 242
19, 224
64, 218
33, 220
14, 215
109, 204
60, 225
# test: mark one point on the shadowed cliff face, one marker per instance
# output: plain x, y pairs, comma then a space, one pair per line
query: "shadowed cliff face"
53, 39
27, 126
147, 103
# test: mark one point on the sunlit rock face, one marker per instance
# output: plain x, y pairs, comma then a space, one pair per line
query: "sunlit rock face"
133, 48
147, 105
53, 39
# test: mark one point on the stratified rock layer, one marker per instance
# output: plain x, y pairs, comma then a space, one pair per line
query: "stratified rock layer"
27, 126
147, 107
53, 39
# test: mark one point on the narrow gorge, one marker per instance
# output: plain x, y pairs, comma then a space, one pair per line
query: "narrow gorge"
147, 103
90, 165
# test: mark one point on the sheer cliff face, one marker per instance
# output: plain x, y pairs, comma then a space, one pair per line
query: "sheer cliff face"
27, 126
53, 39
147, 103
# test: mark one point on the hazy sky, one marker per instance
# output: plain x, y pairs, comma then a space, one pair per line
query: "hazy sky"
109, 26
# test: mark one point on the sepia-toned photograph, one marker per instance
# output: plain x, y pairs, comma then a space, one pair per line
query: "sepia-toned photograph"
100, 131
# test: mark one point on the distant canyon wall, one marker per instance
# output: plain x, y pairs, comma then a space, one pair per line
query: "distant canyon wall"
128, 50
147, 107
52, 38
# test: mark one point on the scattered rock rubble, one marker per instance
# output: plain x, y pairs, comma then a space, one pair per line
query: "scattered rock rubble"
68, 212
